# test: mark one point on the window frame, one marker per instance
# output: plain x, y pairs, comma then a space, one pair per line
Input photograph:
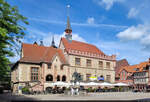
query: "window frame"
76, 61
88, 79
107, 78
49, 66
33, 75
100, 65
107, 66
87, 64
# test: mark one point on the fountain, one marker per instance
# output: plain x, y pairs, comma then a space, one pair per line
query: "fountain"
75, 87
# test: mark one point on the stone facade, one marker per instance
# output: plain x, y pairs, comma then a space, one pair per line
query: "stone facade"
94, 69
21, 75
40, 66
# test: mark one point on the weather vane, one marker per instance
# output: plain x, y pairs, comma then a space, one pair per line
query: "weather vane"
68, 7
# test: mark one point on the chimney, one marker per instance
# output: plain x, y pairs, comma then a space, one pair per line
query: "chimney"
41, 43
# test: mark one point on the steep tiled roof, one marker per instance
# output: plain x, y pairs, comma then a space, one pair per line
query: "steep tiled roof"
36, 54
120, 64
132, 67
81, 46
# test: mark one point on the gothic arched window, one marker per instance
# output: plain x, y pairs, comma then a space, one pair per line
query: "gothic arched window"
63, 78
58, 77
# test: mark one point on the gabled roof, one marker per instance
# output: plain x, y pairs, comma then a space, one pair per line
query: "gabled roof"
120, 64
36, 54
133, 68
81, 46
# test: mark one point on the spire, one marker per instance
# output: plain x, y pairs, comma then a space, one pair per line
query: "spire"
35, 43
68, 29
53, 43
41, 43
68, 23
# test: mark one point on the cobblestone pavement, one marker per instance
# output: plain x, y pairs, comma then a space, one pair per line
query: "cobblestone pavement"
89, 96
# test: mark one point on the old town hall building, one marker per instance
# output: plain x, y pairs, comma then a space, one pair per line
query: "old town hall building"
40, 65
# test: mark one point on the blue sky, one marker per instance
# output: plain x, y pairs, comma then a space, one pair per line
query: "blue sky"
118, 27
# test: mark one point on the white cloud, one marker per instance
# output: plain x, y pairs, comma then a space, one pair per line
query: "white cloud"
79, 24
48, 38
123, 50
38, 35
90, 20
133, 13
146, 40
133, 33
140, 34
107, 3
33, 32
14, 59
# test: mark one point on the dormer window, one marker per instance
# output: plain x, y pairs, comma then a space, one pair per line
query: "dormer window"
137, 69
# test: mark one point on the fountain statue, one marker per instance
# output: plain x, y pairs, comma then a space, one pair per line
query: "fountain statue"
76, 79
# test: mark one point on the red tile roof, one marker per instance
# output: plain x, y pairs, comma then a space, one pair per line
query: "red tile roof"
132, 67
81, 46
120, 64
36, 54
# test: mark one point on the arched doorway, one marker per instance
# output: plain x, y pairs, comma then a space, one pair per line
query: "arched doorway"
58, 77
49, 77
63, 78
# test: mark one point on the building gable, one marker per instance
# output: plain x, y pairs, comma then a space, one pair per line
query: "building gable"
37, 54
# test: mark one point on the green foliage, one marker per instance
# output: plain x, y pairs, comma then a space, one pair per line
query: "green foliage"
121, 89
25, 90
11, 33
115, 89
68, 88
90, 89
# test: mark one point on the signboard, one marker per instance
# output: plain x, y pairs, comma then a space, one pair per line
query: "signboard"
101, 78
93, 78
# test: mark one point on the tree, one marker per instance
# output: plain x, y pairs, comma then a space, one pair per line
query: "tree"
11, 33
